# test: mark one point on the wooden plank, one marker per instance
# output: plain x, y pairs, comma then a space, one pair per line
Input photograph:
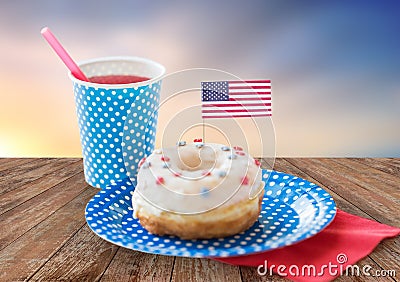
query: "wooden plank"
6, 163
32, 212
84, 257
389, 248
387, 254
129, 265
22, 258
250, 274
368, 177
380, 164
26, 173
393, 161
81, 258
375, 204
195, 269
19, 195
387, 185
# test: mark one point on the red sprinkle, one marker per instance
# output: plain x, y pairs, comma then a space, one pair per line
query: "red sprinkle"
160, 180
240, 153
165, 159
245, 180
206, 173
142, 162
237, 148
177, 174
257, 162
198, 140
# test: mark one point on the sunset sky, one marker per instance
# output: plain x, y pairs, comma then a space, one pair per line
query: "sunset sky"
334, 65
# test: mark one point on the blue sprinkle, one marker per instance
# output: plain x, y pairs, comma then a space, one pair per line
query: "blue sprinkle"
232, 157
225, 148
222, 174
204, 191
199, 145
181, 143
146, 165
165, 165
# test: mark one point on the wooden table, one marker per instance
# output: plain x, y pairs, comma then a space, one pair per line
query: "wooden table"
44, 236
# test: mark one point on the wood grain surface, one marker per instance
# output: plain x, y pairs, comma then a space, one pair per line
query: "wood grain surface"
44, 235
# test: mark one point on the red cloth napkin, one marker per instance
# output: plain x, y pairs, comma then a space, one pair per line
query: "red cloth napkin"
345, 241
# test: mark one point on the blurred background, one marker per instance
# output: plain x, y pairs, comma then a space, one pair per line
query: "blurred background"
335, 65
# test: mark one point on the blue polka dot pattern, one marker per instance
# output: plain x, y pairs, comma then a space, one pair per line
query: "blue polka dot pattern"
140, 129
102, 114
293, 209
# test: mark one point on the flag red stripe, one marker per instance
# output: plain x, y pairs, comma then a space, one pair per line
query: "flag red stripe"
251, 92
250, 99
250, 81
249, 87
236, 105
234, 111
231, 116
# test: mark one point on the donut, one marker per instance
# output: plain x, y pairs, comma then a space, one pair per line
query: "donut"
198, 191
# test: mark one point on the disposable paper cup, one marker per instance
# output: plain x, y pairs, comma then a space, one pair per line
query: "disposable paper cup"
102, 110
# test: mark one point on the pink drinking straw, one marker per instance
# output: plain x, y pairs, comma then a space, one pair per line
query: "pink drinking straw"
63, 54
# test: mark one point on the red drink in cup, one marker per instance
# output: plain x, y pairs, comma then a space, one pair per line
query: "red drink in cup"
117, 79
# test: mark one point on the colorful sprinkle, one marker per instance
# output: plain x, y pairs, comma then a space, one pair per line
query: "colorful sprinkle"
232, 157
146, 165
199, 145
165, 165
181, 143
165, 159
225, 148
142, 162
198, 140
222, 173
245, 180
240, 153
204, 191
237, 148
206, 173
177, 174
257, 162
160, 180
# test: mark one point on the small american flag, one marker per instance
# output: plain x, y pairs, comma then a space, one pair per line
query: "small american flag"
250, 98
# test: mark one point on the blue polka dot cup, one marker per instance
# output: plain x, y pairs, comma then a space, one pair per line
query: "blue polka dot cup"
103, 109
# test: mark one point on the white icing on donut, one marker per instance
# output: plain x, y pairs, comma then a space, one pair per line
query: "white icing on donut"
194, 178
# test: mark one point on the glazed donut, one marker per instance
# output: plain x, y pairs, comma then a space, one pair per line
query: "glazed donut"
198, 191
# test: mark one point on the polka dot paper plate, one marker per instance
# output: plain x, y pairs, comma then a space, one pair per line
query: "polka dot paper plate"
293, 209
